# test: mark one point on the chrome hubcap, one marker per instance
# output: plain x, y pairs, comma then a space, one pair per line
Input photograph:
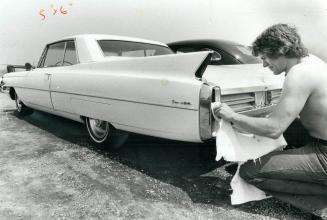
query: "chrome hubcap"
99, 128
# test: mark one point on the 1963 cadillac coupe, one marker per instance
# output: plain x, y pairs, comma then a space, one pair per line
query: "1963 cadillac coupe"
114, 83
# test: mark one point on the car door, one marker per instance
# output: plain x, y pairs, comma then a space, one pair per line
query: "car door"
39, 80
64, 79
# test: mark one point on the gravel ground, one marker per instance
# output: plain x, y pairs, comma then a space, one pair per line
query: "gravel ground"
50, 170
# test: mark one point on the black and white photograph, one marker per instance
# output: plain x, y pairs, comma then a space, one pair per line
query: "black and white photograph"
186, 109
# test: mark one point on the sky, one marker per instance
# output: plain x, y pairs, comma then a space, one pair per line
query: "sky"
26, 26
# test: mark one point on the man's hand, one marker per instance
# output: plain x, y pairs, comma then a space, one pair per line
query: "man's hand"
222, 110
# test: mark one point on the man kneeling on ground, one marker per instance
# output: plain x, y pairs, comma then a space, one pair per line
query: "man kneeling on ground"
297, 176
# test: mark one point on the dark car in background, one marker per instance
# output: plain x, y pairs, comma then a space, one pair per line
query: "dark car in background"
18, 68
224, 52
13, 68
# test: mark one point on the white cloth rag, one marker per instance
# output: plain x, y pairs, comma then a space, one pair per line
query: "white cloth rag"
239, 147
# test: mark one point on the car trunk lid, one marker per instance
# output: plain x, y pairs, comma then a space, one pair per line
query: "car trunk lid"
233, 79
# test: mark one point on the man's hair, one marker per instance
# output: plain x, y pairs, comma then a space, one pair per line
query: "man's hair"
279, 40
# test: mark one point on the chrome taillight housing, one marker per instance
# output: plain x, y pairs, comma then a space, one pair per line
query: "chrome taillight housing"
209, 93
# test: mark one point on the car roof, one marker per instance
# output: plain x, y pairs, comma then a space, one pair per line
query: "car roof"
222, 44
111, 37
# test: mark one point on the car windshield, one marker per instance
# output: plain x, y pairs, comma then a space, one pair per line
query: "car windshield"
132, 49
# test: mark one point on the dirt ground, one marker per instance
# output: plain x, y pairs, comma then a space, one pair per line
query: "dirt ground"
50, 170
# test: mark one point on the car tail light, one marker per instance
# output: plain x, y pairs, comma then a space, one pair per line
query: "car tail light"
208, 94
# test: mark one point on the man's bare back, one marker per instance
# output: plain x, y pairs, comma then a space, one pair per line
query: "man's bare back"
314, 113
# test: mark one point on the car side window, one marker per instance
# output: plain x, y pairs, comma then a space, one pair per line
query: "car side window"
54, 55
226, 59
218, 57
70, 54
131, 49
186, 50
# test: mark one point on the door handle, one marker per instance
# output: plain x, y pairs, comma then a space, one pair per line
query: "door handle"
48, 74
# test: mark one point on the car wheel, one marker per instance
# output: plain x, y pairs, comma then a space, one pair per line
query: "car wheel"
105, 135
22, 109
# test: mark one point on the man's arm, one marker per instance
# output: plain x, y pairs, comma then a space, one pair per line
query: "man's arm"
296, 90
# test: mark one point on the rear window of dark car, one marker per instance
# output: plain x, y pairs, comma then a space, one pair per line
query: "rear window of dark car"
226, 58
246, 54
230, 52
131, 49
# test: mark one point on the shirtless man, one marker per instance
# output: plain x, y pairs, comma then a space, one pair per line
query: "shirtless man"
297, 176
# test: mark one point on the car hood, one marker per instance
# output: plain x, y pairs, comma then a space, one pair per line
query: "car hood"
242, 78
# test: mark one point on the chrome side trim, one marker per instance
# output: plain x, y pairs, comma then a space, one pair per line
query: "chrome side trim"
208, 94
113, 98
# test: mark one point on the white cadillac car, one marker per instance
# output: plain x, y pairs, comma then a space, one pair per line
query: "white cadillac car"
115, 83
